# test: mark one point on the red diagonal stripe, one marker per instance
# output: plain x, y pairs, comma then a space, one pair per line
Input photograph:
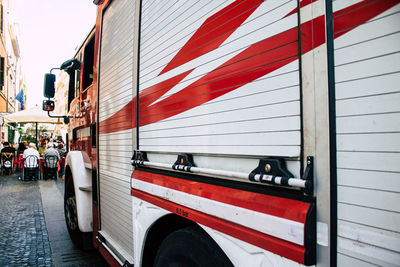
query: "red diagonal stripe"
254, 62
302, 4
213, 32
240, 70
154, 92
126, 118
348, 18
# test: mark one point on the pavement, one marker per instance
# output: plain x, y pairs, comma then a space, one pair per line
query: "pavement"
32, 226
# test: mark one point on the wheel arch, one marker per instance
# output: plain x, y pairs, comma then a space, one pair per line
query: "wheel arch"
67, 174
158, 231
76, 172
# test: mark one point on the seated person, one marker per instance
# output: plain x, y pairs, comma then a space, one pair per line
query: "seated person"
7, 160
42, 148
18, 158
61, 150
8, 148
62, 153
51, 157
31, 150
51, 151
21, 148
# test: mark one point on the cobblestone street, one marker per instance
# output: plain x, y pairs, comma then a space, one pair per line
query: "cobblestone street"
33, 231
24, 238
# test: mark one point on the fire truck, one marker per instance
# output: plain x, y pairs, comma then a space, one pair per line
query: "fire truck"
236, 133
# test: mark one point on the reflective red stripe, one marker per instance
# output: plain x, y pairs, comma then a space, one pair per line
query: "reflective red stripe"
276, 206
275, 245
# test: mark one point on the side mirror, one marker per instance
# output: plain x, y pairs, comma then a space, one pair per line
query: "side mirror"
70, 65
49, 89
48, 105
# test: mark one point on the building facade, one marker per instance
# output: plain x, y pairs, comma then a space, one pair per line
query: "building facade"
61, 102
11, 74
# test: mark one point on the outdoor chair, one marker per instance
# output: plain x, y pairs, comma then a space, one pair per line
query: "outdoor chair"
50, 167
19, 162
7, 163
31, 168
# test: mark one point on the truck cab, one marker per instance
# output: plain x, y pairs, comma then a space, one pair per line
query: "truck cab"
80, 114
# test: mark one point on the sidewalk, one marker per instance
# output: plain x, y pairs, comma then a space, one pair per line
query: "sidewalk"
63, 250
33, 231
24, 239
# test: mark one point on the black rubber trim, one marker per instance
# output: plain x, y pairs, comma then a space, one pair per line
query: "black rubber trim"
332, 133
101, 238
310, 236
255, 188
100, 43
300, 86
93, 134
74, 134
95, 197
138, 75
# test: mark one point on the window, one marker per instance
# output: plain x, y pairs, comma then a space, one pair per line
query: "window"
74, 83
1, 73
73, 78
87, 77
1, 18
78, 77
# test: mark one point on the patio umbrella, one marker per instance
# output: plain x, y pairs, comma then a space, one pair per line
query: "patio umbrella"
32, 115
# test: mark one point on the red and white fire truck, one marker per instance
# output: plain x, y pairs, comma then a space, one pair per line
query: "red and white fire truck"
236, 132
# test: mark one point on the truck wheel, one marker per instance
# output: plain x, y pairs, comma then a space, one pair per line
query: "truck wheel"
80, 239
190, 247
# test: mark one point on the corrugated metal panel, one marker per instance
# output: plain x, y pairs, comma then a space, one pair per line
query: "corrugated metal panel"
367, 72
259, 118
115, 149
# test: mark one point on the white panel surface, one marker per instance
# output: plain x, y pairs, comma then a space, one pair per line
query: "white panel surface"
260, 118
345, 260
115, 149
367, 73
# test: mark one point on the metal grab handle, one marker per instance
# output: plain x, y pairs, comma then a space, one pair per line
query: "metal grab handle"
184, 164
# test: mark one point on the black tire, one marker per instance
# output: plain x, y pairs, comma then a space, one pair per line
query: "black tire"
80, 239
190, 247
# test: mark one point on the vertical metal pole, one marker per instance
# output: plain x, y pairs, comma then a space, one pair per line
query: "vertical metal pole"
37, 143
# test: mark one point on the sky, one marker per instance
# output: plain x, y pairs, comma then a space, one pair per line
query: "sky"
50, 33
